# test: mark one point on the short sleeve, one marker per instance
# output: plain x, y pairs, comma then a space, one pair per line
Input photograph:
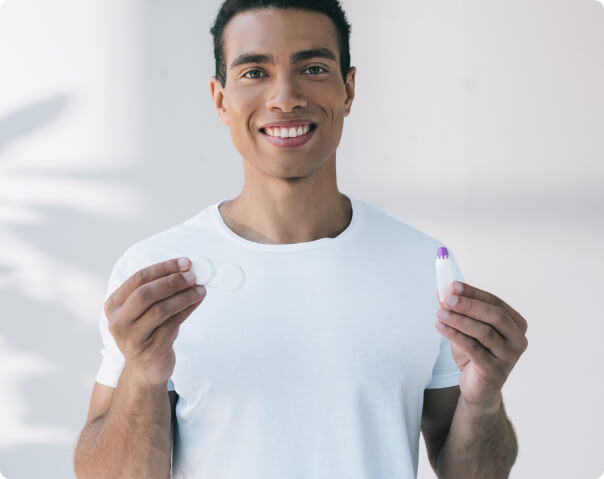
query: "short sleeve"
112, 359
445, 372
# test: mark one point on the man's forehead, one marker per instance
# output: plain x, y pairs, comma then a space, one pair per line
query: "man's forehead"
278, 32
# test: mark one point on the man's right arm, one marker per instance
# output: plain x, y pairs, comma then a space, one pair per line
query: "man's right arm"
128, 431
132, 439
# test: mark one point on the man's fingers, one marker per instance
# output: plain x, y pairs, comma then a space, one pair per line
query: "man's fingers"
143, 276
179, 318
163, 337
486, 297
165, 310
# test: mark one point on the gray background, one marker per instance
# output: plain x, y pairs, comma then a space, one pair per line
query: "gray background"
480, 123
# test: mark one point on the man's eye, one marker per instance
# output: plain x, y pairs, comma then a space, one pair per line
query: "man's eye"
245, 75
316, 66
252, 71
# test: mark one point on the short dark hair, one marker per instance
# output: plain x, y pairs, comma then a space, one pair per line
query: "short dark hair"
230, 8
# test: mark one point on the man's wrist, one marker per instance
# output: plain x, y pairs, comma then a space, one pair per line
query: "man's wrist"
483, 409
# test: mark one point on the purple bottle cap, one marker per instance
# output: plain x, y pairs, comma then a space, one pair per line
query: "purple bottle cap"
442, 253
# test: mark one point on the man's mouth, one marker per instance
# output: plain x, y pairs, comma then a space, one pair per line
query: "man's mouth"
281, 136
285, 132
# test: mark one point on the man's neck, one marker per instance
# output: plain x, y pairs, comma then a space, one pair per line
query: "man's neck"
263, 219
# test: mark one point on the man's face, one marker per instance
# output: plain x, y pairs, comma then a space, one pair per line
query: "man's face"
258, 93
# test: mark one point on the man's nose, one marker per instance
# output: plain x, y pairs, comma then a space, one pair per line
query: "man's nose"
286, 94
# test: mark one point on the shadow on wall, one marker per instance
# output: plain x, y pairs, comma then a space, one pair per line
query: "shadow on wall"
46, 297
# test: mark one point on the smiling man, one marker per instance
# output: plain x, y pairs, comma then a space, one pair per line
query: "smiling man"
327, 362
284, 99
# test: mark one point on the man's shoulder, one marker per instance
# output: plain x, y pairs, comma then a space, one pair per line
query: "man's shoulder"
171, 242
380, 222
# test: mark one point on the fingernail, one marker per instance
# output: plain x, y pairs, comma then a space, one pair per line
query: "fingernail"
189, 277
458, 287
443, 313
452, 300
200, 289
183, 263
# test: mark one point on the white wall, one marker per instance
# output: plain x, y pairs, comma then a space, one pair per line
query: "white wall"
480, 123
71, 142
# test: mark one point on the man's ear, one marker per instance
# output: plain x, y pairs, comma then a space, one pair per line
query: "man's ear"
349, 90
218, 97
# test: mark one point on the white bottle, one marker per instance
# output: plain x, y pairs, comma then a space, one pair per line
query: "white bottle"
444, 273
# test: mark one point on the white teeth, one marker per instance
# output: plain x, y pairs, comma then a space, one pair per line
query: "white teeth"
287, 132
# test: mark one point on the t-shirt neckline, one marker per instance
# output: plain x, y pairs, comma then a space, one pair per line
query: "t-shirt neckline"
307, 245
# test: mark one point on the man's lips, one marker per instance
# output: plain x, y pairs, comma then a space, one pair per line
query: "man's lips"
290, 142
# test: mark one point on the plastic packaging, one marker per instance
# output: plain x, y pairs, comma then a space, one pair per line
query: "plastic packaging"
229, 277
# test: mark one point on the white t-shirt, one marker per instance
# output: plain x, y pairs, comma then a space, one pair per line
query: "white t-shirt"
316, 367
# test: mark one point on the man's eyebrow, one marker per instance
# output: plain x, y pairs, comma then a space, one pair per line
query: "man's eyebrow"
319, 52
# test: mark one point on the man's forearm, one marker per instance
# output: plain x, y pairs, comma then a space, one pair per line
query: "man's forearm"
132, 439
479, 445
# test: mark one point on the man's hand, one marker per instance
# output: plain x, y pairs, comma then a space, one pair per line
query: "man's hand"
145, 314
487, 339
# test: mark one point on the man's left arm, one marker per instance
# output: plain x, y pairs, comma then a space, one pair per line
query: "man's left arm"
487, 338
480, 444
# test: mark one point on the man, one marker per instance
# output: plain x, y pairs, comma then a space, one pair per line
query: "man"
325, 362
